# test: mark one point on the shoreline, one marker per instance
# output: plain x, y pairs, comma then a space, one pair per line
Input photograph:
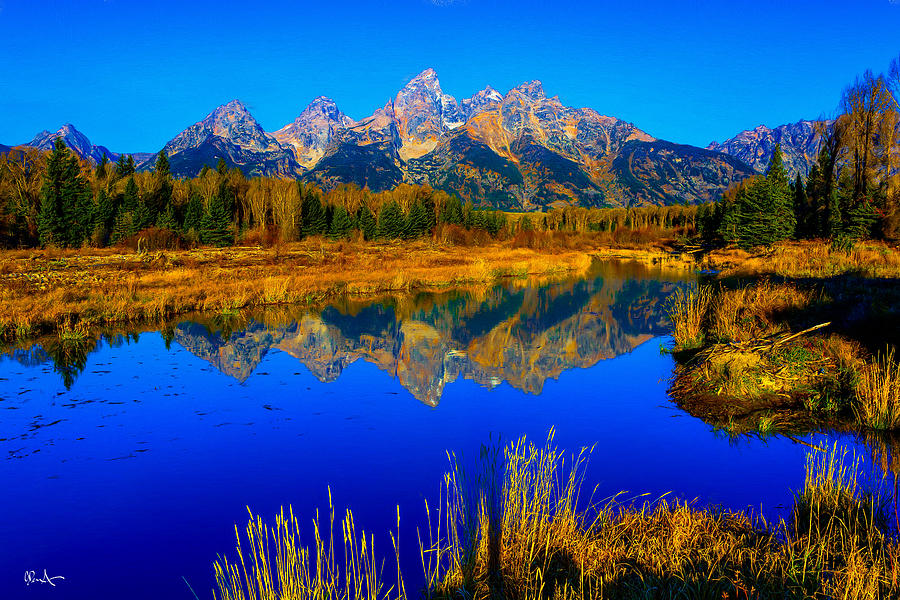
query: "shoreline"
796, 339
55, 291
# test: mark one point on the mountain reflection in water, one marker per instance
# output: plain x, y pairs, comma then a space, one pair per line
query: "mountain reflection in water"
518, 333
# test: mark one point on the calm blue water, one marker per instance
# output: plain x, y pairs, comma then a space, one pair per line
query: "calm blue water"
133, 477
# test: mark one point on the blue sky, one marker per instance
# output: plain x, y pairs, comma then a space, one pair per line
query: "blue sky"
131, 75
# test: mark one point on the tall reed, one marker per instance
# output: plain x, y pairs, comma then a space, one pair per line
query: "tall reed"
878, 393
687, 309
276, 564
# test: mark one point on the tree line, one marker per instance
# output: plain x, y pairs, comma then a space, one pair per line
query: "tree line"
56, 199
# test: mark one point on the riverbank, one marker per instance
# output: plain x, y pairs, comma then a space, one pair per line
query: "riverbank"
795, 338
45, 291
532, 535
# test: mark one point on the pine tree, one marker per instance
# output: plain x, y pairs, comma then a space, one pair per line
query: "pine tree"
805, 216
166, 219
161, 168
756, 220
780, 198
193, 214
66, 216
418, 220
365, 222
341, 223
313, 218
51, 223
222, 167
105, 211
391, 221
452, 211
525, 224
122, 227
100, 172
215, 225
121, 166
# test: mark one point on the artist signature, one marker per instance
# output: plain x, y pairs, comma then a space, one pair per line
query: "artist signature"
31, 577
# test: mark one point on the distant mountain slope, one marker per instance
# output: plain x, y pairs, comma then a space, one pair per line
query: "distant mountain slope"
662, 172
520, 151
799, 146
75, 140
311, 133
229, 132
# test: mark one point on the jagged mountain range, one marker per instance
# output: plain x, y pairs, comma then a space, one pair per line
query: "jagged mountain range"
799, 146
520, 150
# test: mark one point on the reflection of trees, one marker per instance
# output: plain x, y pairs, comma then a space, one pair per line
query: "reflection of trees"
69, 356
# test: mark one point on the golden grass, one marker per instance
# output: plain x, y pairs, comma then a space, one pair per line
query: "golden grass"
522, 530
878, 393
810, 260
40, 289
687, 309
277, 565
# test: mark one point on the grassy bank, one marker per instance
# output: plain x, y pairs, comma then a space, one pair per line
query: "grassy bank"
798, 337
42, 289
533, 535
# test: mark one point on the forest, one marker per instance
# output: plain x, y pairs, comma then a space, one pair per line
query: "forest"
56, 199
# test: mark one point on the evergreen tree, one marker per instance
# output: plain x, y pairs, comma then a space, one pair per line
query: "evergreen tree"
215, 225
756, 221
418, 220
780, 197
525, 224
122, 227
366, 223
121, 166
132, 198
51, 222
104, 216
100, 172
222, 167
161, 168
341, 223
313, 218
452, 211
166, 219
66, 216
391, 221
806, 218
204, 170
193, 214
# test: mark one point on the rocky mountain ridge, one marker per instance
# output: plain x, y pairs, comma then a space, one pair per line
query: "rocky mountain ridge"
75, 140
799, 146
520, 150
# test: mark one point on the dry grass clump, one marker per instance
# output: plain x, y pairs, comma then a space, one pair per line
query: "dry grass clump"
522, 530
687, 309
754, 311
278, 565
878, 393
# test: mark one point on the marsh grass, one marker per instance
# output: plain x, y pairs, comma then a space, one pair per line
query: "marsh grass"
275, 563
810, 259
687, 310
878, 392
42, 288
521, 529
